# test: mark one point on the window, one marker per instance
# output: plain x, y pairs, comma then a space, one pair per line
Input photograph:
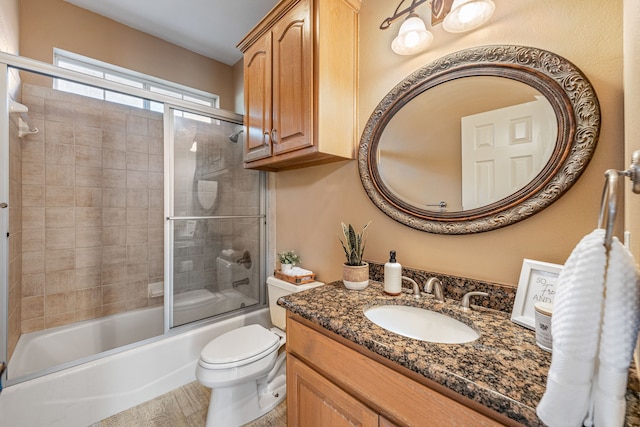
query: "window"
92, 67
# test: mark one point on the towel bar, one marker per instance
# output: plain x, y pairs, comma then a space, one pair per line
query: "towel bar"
609, 201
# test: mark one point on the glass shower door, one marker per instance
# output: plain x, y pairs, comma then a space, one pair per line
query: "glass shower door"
215, 222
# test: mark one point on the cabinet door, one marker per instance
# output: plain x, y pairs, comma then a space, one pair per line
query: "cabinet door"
257, 99
292, 87
314, 401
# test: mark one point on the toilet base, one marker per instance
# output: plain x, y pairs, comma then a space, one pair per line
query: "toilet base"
243, 403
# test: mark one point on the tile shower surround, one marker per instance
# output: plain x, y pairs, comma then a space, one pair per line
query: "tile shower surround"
92, 208
15, 236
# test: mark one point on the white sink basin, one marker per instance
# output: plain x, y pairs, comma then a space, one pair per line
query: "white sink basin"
421, 324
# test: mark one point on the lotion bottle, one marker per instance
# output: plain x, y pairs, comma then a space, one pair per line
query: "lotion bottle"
392, 276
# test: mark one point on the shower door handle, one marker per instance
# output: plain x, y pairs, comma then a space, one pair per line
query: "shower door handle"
4, 205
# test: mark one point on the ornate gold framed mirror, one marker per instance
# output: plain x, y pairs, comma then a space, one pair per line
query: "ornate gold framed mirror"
479, 139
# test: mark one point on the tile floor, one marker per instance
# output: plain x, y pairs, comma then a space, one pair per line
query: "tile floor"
183, 407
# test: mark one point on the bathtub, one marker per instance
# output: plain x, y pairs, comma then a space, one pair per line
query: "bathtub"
89, 392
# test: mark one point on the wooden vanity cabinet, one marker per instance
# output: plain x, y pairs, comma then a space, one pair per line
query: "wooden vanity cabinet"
300, 83
333, 382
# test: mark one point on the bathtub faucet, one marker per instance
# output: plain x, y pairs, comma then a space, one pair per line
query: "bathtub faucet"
237, 283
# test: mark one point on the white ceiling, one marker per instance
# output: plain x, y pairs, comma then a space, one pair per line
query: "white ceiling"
209, 27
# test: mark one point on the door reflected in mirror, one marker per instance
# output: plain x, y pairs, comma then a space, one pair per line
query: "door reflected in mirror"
467, 143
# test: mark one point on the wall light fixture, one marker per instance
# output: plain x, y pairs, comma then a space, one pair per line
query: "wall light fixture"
456, 16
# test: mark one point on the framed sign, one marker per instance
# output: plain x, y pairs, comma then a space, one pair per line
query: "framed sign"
537, 284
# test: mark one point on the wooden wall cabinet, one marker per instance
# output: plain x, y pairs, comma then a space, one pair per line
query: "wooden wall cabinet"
332, 382
300, 84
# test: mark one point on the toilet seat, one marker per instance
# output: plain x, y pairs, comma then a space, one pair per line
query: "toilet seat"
239, 347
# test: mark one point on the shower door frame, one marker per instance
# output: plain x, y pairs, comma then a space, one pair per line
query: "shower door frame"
267, 200
170, 218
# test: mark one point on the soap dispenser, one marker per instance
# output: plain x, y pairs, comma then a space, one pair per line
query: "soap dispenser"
392, 276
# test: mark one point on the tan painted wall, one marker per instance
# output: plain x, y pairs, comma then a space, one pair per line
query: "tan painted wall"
312, 202
9, 25
46, 24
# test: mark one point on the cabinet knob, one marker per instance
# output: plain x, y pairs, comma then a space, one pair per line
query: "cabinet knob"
265, 138
274, 133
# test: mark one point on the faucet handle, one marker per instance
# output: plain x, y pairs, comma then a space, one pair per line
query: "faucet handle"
416, 288
465, 299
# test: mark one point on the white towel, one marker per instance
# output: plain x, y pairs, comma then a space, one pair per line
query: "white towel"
575, 327
297, 271
621, 321
587, 381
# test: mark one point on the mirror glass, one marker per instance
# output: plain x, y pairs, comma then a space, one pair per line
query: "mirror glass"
479, 139
467, 136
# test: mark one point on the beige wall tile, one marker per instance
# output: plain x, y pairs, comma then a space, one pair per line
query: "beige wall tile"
89, 313
60, 196
32, 173
88, 156
137, 179
114, 217
88, 257
156, 181
114, 197
32, 307
137, 125
89, 298
58, 111
114, 236
60, 154
59, 259
32, 262
156, 145
136, 234
137, 144
88, 217
32, 150
137, 254
33, 195
137, 198
59, 218
112, 274
114, 159
88, 116
114, 293
59, 303
137, 216
114, 121
33, 239
59, 319
89, 197
114, 255
138, 271
114, 178
60, 238
60, 281
58, 133
88, 277
156, 163
32, 284
60, 175
89, 136
88, 237
33, 218
137, 162
88, 176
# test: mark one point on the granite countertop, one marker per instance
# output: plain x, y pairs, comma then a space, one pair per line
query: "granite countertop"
504, 369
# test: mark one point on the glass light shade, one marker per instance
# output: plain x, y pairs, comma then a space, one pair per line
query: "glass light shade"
466, 15
413, 36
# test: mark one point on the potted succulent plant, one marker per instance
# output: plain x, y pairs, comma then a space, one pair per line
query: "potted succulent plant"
355, 271
287, 260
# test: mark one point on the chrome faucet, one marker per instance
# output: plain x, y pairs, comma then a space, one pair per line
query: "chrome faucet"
416, 288
434, 285
465, 299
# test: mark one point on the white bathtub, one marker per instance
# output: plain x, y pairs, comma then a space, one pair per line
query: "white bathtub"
90, 392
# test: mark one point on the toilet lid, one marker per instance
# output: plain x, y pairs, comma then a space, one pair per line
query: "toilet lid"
239, 347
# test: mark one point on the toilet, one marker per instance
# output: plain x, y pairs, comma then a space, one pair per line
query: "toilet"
245, 367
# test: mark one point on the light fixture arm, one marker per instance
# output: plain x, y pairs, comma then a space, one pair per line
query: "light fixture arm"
397, 14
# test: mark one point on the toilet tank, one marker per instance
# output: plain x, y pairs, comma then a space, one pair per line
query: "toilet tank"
278, 288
